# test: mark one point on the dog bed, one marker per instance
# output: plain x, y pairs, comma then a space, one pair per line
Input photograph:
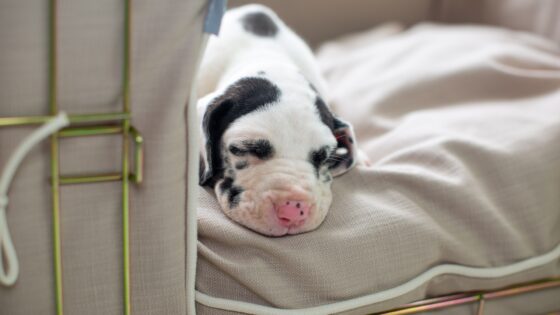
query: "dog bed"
462, 127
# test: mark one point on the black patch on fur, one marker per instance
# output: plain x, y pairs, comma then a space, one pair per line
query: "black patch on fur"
201, 167
241, 165
318, 158
243, 97
261, 73
338, 129
260, 24
342, 140
234, 192
234, 196
326, 116
226, 185
338, 124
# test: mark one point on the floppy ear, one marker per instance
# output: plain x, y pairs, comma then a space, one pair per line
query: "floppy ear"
346, 153
220, 111
213, 109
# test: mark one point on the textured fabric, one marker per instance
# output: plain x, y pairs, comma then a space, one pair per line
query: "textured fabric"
166, 37
332, 18
462, 126
540, 17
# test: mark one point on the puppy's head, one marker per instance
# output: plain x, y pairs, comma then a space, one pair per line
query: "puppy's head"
271, 155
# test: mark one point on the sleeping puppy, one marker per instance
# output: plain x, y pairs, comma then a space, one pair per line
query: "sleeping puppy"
270, 145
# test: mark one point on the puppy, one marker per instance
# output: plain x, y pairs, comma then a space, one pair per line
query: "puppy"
270, 146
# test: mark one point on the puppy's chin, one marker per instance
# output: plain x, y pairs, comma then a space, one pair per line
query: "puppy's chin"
274, 228
255, 212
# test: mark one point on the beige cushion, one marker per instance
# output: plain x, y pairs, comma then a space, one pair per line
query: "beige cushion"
540, 17
462, 126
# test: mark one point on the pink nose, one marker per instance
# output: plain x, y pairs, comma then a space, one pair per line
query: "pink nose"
292, 213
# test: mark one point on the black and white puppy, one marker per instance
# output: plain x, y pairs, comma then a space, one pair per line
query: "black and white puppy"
270, 145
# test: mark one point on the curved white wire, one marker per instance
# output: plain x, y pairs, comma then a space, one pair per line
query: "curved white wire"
449, 269
8, 276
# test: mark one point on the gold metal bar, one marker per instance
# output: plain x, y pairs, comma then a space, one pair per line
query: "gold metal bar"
85, 179
437, 299
55, 184
125, 218
89, 131
434, 306
540, 285
85, 118
138, 156
56, 224
53, 110
481, 297
74, 119
53, 59
125, 157
19, 121
93, 178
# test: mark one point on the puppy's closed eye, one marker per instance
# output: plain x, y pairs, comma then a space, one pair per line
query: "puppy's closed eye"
260, 148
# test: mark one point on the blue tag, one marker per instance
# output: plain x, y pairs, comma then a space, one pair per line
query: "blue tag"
213, 20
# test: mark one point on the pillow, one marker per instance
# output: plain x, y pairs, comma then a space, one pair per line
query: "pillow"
462, 127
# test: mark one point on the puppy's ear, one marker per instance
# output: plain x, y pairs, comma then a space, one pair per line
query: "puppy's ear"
213, 127
346, 153
220, 111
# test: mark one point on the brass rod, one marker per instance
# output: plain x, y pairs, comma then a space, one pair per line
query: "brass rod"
125, 157
434, 306
74, 119
93, 178
85, 118
438, 299
541, 285
125, 222
53, 59
84, 179
20, 121
465, 298
89, 131
57, 255
53, 110
138, 156
126, 57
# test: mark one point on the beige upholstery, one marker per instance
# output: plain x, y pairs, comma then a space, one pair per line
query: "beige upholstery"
320, 20
461, 125
166, 37
540, 17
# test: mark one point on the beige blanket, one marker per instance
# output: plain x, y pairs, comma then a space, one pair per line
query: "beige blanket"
462, 126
